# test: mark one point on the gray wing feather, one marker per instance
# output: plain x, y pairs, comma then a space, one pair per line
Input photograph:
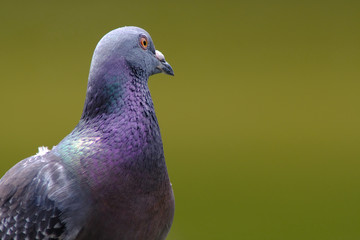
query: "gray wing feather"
41, 199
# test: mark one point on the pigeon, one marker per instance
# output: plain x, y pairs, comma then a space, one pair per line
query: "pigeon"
108, 178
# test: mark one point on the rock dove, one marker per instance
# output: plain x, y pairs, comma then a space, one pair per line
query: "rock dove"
107, 179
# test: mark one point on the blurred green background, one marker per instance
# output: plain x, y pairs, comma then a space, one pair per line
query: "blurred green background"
260, 123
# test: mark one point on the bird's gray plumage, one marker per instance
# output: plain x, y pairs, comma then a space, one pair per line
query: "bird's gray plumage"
37, 198
108, 178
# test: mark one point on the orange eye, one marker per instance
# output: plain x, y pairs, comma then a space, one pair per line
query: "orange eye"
144, 42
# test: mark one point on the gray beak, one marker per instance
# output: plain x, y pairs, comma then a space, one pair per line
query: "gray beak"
163, 66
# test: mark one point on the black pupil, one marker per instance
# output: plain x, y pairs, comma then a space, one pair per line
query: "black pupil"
144, 42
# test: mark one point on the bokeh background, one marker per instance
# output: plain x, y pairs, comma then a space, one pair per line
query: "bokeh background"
260, 123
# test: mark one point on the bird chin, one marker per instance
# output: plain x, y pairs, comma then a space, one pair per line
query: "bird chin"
156, 71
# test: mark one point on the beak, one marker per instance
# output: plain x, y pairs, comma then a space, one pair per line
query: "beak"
163, 66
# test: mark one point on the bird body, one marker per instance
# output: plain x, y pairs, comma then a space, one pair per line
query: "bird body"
107, 179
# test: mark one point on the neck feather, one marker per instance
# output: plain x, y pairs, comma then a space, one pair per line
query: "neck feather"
118, 130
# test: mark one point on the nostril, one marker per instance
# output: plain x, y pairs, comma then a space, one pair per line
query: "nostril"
159, 55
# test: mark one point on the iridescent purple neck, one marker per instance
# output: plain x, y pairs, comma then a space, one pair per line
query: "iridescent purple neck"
118, 132
113, 87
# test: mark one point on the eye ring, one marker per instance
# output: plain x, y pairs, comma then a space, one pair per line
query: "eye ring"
143, 42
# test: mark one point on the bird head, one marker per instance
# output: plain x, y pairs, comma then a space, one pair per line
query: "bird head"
135, 46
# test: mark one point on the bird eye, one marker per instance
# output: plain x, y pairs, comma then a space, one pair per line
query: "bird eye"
144, 42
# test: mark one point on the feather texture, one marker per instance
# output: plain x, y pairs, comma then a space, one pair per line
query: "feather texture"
107, 179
